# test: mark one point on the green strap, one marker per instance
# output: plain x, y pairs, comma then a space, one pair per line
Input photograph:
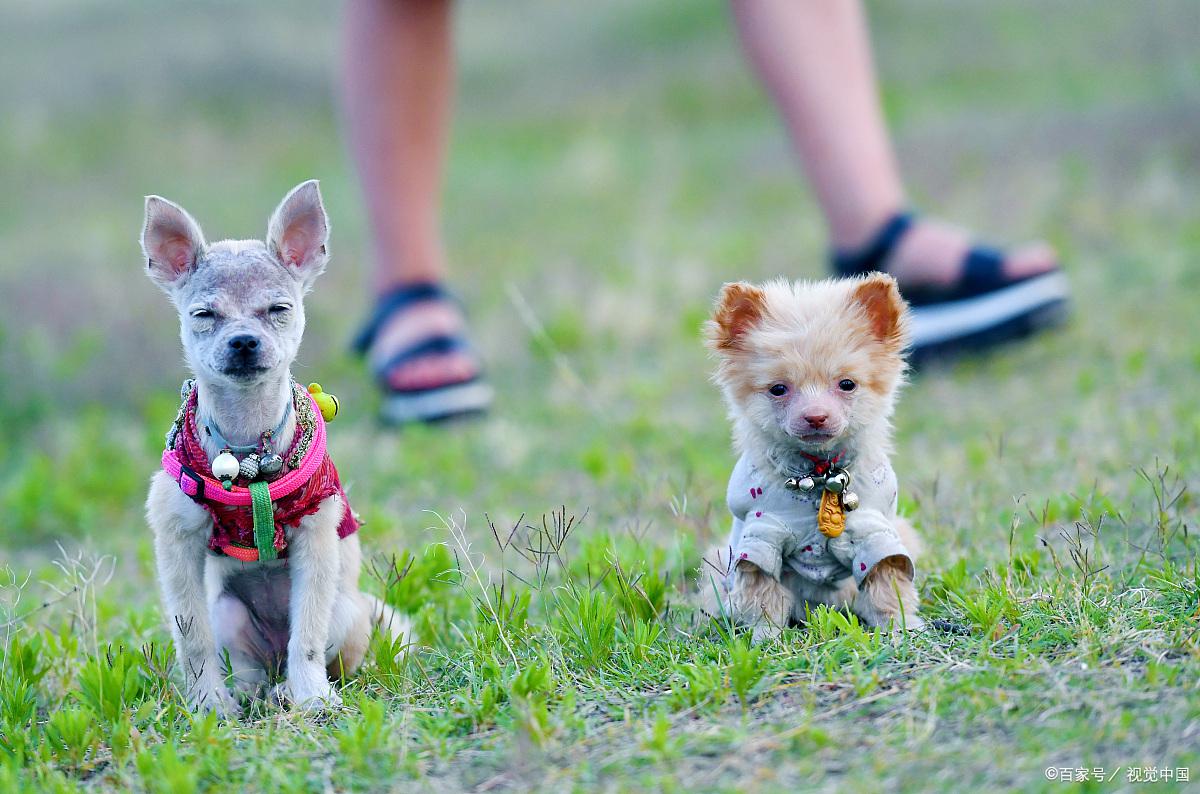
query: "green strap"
264, 520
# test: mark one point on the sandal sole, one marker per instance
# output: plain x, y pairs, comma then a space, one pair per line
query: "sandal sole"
1041, 318
437, 405
941, 323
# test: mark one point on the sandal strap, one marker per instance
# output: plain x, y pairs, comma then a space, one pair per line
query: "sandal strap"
982, 271
395, 301
874, 254
436, 345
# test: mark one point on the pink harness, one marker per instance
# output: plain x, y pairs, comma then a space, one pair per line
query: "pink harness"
209, 493
198, 486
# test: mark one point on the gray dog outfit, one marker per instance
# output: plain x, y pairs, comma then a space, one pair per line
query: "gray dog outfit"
776, 528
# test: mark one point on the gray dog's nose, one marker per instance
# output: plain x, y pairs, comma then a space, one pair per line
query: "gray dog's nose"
244, 343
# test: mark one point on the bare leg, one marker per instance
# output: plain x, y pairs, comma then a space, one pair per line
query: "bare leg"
399, 77
815, 59
398, 91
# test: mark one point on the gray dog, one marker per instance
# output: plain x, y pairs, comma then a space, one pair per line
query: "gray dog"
282, 596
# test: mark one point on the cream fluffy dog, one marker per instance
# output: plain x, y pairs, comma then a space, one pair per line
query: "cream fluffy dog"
810, 373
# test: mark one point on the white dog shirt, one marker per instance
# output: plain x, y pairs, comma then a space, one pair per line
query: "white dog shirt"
776, 528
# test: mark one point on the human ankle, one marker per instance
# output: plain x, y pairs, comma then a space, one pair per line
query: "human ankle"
854, 231
395, 271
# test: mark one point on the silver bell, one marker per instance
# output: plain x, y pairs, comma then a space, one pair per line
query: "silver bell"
270, 464
837, 483
249, 466
806, 484
849, 500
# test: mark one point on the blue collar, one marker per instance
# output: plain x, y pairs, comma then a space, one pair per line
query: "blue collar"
214, 431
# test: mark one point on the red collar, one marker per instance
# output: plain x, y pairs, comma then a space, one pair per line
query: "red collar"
822, 465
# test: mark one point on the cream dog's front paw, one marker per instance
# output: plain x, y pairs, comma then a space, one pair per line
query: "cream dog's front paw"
765, 632
759, 600
888, 599
902, 624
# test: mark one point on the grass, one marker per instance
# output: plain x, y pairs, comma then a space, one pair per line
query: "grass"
610, 168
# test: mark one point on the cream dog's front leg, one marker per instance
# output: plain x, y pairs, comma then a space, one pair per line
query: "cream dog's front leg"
757, 596
760, 600
313, 556
181, 529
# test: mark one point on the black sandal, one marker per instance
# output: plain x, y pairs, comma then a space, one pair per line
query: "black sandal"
430, 404
982, 309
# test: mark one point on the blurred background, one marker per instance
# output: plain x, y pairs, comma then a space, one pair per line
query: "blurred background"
611, 165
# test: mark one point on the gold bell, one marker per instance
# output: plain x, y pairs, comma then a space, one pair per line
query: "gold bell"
325, 401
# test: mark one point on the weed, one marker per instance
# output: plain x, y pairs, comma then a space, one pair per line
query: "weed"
362, 738
166, 770
586, 621
72, 736
113, 682
697, 685
747, 670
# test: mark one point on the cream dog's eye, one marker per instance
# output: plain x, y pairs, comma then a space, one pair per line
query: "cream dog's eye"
202, 314
778, 390
847, 385
279, 308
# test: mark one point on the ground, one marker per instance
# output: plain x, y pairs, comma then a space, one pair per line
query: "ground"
610, 168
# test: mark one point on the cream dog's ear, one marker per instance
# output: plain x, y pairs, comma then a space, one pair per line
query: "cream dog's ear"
298, 232
171, 242
738, 309
885, 311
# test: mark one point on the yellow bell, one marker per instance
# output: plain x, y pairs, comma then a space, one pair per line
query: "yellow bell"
325, 401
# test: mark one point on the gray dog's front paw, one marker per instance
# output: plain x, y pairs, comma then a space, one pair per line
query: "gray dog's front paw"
214, 698
312, 692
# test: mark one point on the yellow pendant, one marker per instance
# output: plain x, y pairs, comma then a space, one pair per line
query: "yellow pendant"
325, 401
831, 518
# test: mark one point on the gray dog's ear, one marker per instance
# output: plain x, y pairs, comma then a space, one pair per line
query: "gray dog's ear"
171, 242
299, 230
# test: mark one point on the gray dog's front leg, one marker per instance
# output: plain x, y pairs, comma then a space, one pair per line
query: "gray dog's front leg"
313, 558
181, 530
